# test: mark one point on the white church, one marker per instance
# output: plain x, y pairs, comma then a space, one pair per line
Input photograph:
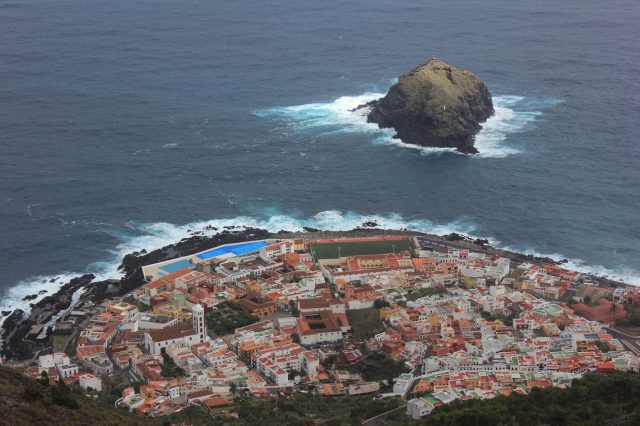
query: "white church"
184, 333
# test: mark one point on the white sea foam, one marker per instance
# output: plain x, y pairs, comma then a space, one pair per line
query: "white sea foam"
136, 237
621, 273
149, 237
513, 114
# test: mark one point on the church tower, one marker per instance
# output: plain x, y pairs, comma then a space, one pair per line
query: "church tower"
198, 321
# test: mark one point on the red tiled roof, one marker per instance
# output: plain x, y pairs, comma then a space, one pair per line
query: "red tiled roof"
174, 332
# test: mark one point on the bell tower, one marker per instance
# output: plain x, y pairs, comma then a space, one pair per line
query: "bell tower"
197, 321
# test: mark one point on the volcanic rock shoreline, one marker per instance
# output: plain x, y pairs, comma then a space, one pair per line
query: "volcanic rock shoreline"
17, 326
434, 105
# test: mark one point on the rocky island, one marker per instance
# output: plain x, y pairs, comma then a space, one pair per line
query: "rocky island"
435, 105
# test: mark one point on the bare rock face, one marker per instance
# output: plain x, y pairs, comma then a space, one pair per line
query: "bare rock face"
435, 105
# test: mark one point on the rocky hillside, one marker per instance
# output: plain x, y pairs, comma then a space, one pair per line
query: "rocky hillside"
24, 401
435, 105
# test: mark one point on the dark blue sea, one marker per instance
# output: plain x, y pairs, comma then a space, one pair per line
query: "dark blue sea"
126, 124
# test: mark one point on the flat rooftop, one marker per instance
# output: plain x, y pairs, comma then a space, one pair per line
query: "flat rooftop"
158, 319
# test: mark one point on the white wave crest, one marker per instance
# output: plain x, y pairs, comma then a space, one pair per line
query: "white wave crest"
136, 237
513, 114
621, 273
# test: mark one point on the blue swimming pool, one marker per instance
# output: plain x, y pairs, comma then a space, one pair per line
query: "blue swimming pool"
237, 249
176, 266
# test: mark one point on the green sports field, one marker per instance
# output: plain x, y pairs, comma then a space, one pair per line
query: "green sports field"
337, 249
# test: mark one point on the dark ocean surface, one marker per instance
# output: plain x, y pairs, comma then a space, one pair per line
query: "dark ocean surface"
125, 124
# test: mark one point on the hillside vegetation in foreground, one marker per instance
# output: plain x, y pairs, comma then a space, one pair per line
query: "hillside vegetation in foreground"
24, 401
613, 399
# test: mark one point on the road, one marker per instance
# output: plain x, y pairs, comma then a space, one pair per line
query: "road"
630, 342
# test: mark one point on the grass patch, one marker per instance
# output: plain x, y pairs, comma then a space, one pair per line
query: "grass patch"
57, 342
365, 323
379, 367
430, 291
227, 318
335, 250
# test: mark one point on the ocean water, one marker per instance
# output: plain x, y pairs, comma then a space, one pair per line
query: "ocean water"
128, 124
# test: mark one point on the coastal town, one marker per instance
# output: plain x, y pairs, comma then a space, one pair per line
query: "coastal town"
386, 317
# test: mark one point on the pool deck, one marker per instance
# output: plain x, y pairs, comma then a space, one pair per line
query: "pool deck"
223, 252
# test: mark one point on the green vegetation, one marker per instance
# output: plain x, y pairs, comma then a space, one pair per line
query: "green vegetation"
24, 401
378, 366
335, 250
294, 309
365, 323
170, 369
592, 400
422, 292
191, 415
297, 410
58, 342
227, 318
142, 307
380, 303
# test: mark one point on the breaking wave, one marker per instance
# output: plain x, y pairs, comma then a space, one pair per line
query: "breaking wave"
621, 273
513, 114
139, 236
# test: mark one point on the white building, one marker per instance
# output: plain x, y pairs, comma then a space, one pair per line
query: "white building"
92, 381
276, 362
419, 407
60, 361
318, 327
46, 362
149, 321
267, 253
67, 370
185, 333
402, 383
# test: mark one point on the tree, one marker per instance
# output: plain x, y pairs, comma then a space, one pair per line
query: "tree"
62, 385
44, 378
380, 303
328, 362
293, 374
293, 308
486, 316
